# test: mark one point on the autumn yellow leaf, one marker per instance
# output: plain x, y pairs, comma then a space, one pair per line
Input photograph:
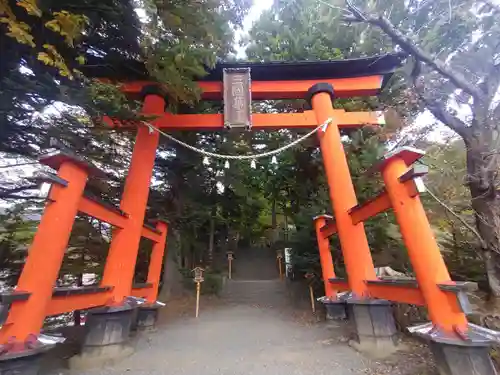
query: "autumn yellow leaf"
53, 25
53, 58
6, 10
45, 58
80, 60
19, 31
31, 7
69, 25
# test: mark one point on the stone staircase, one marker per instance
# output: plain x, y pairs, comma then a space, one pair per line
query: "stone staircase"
259, 293
255, 263
255, 280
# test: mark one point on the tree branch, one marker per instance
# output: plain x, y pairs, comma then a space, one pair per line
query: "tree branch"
410, 47
496, 112
18, 164
437, 108
26, 197
6, 193
439, 112
461, 219
495, 7
493, 84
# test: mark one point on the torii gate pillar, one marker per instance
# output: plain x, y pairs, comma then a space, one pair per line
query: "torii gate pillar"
120, 264
358, 260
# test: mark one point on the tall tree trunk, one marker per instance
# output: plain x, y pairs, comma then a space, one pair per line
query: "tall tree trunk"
210, 254
172, 278
274, 223
482, 167
285, 233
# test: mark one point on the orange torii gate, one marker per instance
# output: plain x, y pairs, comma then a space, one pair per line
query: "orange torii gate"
459, 347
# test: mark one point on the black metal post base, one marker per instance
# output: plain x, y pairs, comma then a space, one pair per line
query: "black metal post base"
107, 332
147, 315
335, 309
374, 326
25, 362
467, 354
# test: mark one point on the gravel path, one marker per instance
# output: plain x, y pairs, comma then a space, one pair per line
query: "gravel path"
234, 340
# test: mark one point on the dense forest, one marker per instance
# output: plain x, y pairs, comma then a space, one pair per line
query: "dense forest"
445, 100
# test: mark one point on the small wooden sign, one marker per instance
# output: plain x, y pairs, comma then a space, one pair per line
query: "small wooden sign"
279, 254
230, 255
237, 98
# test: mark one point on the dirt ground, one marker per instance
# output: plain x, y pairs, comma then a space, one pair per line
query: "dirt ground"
240, 339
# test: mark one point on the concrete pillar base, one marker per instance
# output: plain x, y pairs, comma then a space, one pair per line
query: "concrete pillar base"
335, 309
25, 362
107, 332
374, 326
464, 354
147, 315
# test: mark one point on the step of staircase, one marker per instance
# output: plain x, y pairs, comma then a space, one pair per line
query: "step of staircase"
265, 293
255, 264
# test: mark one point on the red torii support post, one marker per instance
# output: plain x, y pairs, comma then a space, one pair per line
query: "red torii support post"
335, 308
124, 247
357, 257
426, 259
42, 265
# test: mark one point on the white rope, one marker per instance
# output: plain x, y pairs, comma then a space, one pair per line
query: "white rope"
239, 157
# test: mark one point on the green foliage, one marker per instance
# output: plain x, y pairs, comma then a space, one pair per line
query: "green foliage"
447, 180
34, 77
184, 37
17, 227
86, 252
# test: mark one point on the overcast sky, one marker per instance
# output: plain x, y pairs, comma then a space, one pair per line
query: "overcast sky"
256, 10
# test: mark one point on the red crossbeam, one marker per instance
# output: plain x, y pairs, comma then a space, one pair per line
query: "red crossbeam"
398, 293
142, 292
150, 234
268, 121
60, 305
94, 209
68, 303
268, 90
401, 291
368, 209
64, 304
329, 229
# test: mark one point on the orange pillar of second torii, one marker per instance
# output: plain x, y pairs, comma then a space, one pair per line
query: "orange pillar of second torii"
423, 251
325, 257
42, 266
